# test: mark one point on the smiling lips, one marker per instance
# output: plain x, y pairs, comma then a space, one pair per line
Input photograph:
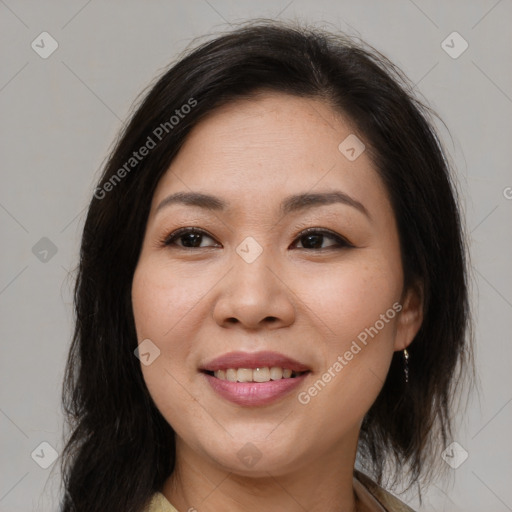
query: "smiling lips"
252, 379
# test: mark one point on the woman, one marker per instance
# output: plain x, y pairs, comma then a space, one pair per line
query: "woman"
272, 283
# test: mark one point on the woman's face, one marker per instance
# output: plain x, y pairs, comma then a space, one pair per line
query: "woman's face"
249, 297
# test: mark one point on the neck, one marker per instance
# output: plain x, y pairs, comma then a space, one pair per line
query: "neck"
322, 484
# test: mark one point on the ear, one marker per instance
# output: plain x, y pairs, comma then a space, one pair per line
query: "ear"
410, 317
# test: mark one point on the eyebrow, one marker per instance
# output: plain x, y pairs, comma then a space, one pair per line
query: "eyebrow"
291, 204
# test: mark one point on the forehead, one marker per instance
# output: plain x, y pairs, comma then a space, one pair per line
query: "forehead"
269, 146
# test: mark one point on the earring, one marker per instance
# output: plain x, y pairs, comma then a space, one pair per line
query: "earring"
406, 365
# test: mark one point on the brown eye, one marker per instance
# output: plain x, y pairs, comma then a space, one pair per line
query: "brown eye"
190, 238
314, 238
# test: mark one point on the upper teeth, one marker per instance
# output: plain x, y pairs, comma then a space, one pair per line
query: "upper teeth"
253, 375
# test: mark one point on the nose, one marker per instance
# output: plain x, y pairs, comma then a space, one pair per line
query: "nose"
254, 296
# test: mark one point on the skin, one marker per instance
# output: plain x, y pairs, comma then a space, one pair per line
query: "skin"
307, 303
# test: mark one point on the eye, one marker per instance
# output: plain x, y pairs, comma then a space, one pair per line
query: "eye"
313, 238
190, 237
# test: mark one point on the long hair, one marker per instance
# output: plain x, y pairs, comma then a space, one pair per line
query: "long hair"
120, 449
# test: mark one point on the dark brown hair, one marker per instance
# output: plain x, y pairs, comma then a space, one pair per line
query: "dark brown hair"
120, 449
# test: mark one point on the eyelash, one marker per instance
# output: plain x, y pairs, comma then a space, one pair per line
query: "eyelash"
342, 243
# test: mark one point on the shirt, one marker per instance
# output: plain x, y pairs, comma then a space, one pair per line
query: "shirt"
371, 498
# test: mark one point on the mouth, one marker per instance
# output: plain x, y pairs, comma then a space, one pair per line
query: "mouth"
254, 379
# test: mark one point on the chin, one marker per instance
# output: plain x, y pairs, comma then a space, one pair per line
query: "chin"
255, 457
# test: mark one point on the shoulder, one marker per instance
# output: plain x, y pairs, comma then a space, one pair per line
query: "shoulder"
389, 502
159, 503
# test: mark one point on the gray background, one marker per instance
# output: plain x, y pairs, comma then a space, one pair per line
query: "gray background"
61, 114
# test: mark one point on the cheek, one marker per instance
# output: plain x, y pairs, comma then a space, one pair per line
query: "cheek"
165, 307
162, 299
162, 307
352, 296
356, 309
